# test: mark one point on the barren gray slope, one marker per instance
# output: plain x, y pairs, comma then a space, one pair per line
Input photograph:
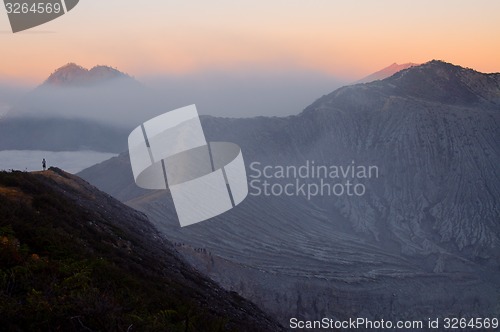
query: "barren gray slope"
428, 228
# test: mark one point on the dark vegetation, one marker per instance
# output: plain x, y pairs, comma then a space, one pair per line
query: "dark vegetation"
74, 259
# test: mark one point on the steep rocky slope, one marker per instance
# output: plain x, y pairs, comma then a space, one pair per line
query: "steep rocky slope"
72, 258
423, 240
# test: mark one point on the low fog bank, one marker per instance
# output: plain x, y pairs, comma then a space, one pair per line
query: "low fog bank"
10, 94
70, 161
56, 134
128, 103
100, 116
245, 94
122, 103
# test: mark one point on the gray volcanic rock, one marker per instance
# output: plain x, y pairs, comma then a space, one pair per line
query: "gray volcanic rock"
423, 241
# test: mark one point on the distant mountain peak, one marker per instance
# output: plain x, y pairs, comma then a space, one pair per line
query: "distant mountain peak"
440, 64
386, 72
445, 82
73, 75
71, 66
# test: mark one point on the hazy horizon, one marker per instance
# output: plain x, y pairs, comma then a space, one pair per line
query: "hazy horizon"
31, 160
237, 94
223, 94
348, 40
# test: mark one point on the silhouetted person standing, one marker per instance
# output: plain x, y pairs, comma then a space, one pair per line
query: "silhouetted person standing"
44, 164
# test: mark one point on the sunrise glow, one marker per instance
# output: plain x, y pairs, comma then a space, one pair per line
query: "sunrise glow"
345, 39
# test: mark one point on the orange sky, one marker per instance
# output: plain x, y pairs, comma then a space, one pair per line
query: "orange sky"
344, 38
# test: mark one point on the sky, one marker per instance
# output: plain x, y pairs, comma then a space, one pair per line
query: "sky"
345, 39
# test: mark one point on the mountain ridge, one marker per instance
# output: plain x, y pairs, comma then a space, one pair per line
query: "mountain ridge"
435, 81
430, 219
